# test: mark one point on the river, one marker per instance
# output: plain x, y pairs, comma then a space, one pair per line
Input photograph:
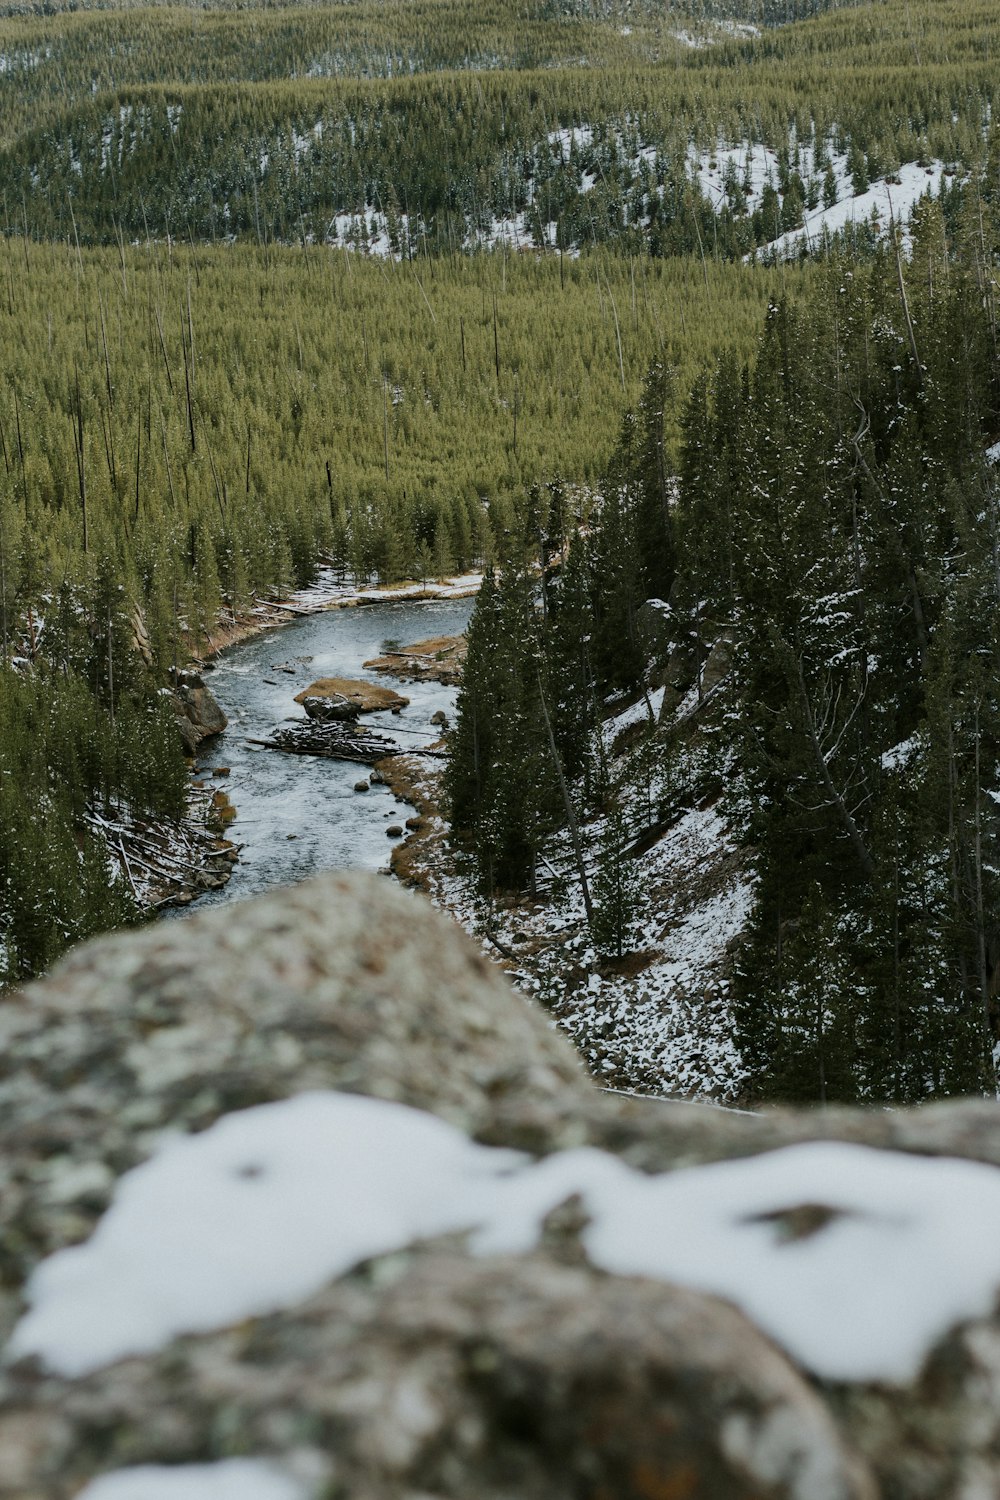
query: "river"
298, 815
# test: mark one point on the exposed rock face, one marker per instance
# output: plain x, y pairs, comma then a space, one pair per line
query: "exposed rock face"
652, 620
198, 713
430, 1373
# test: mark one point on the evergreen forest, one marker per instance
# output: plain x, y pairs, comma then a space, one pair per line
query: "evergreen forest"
545, 290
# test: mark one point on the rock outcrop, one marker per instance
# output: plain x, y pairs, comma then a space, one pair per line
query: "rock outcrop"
333, 709
434, 1371
199, 715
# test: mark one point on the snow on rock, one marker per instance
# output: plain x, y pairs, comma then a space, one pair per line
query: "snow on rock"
856, 1261
231, 1479
253, 1214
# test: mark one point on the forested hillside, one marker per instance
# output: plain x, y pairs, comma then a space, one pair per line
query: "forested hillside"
440, 119
373, 284
184, 430
833, 539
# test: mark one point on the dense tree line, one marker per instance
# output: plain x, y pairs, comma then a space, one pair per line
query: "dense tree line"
84, 736
184, 430
212, 127
844, 487
216, 420
835, 527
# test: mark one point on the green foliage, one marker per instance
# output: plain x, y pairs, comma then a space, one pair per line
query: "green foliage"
439, 116
862, 586
241, 411
616, 890
65, 756
838, 526
501, 781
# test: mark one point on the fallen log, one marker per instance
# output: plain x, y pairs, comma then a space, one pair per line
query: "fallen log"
334, 741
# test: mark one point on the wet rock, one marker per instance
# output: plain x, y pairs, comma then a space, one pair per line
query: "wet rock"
335, 709
394, 831
198, 713
366, 697
361, 786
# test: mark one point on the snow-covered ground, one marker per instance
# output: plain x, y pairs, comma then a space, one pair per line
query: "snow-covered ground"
264, 1208
230, 1479
749, 165
881, 205
659, 1020
711, 32
755, 166
333, 588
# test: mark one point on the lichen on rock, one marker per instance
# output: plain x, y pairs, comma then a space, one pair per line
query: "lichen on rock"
431, 1370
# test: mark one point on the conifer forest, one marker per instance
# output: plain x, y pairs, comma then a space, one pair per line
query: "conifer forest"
677, 322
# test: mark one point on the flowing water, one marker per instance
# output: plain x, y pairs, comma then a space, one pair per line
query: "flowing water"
296, 814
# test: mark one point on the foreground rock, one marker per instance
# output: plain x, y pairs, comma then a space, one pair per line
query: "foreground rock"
365, 697
503, 1378
432, 1372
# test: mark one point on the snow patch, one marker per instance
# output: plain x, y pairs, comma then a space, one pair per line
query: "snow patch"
882, 203
855, 1261
232, 1479
900, 756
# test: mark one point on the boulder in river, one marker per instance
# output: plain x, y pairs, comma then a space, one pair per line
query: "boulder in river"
367, 697
199, 715
332, 710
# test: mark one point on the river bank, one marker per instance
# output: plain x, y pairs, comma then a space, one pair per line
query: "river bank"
175, 864
297, 815
655, 1021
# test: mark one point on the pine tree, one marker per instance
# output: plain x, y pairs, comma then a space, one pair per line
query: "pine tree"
616, 890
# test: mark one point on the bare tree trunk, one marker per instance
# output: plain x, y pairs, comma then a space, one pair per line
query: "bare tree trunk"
836, 797
574, 827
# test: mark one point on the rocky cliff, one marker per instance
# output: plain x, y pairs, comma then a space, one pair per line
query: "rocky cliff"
445, 1355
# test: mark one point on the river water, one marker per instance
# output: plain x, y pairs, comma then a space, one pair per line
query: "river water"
296, 814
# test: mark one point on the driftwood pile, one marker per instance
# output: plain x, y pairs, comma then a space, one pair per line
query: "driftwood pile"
333, 739
170, 864
336, 740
